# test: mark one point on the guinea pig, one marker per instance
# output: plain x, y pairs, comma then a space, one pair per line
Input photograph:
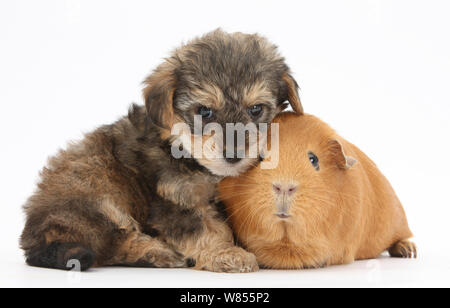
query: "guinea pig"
326, 203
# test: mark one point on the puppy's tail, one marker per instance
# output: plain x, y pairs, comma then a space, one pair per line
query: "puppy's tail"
63, 256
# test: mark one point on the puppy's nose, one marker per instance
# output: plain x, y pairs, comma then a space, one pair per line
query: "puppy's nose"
231, 159
285, 189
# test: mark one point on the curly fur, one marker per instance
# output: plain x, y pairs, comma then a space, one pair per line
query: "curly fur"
119, 197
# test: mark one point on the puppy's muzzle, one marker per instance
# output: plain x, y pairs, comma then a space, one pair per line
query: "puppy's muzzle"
233, 160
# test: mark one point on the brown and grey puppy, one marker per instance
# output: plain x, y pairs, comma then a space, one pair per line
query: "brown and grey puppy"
120, 198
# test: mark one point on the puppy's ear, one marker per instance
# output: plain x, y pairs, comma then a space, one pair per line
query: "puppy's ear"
292, 93
338, 155
158, 94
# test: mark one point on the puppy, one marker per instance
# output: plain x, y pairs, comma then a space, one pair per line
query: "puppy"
120, 197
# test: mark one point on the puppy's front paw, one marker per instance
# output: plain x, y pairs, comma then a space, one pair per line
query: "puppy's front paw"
232, 260
167, 258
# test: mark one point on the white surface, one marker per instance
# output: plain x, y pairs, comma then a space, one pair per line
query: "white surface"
377, 71
384, 272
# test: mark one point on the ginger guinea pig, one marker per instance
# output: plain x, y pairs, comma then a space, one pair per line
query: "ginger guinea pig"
326, 203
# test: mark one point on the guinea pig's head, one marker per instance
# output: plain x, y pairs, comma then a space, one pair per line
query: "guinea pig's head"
299, 196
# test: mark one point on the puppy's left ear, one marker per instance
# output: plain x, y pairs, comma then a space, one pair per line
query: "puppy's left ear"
338, 155
158, 94
292, 93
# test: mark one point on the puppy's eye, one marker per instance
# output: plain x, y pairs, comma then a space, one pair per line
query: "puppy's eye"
314, 160
205, 112
256, 111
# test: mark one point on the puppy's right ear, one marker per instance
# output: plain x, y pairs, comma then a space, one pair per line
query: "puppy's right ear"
158, 95
292, 93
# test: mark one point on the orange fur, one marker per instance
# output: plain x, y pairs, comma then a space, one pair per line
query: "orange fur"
346, 211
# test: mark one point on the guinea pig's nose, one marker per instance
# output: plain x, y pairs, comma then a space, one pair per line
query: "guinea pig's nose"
285, 189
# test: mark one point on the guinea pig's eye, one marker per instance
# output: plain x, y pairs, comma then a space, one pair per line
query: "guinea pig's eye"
314, 160
205, 112
255, 111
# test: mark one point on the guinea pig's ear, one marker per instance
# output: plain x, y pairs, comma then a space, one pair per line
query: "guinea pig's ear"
338, 155
292, 93
158, 94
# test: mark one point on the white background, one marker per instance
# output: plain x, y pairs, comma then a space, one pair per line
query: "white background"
377, 71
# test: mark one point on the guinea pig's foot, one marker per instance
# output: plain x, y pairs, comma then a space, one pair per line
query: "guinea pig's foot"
232, 260
404, 249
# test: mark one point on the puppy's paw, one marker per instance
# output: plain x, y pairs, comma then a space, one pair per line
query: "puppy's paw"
404, 249
232, 260
167, 258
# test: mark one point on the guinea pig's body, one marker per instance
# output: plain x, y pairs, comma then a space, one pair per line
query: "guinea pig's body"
325, 204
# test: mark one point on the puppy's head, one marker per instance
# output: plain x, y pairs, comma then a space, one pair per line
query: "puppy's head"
223, 79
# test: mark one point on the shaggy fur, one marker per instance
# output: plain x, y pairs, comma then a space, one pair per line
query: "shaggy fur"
302, 215
119, 197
